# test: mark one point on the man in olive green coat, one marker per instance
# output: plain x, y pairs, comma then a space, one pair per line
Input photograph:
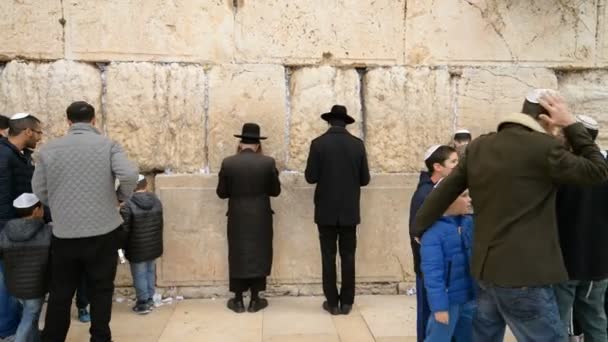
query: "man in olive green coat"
512, 176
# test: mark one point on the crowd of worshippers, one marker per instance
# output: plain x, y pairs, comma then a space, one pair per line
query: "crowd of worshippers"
506, 229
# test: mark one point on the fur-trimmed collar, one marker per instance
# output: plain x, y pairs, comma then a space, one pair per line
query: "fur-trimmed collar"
522, 119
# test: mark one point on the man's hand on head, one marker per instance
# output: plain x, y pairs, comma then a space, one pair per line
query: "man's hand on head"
559, 114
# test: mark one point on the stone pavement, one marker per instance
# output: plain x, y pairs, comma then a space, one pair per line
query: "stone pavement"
287, 319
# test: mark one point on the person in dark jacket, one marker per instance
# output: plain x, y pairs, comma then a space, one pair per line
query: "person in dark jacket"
248, 179
512, 176
337, 163
582, 222
143, 224
16, 170
24, 247
439, 160
446, 252
3, 126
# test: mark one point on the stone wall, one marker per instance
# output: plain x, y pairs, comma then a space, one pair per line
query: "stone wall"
174, 80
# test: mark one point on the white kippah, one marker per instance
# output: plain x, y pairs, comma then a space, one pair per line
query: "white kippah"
20, 116
588, 122
430, 151
26, 200
140, 178
462, 131
534, 95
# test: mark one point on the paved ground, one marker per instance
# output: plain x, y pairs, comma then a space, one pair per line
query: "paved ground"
287, 319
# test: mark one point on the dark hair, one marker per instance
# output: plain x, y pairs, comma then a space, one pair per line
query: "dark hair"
259, 150
80, 111
3, 122
27, 212
462, 137
533, 109
141, 185
15, 127
440, 155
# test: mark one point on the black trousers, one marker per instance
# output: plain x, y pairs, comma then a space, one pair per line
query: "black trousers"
95, 258
81, 294
253, 284
346, 238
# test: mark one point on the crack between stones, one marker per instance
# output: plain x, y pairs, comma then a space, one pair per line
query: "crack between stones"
511, 77
104, 91
288, 73
455, 92
361, 73
598, 21
62, 22
207, 168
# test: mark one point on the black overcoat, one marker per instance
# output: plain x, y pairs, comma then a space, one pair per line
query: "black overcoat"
248, 180
337, 163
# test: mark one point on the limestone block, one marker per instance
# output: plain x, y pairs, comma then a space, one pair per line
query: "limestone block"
195, 232
407, 110
544, 31
313, 91
486, 94
31, 29
587, 94
156, 30
305, 32
157, 112
47, 89
246, 93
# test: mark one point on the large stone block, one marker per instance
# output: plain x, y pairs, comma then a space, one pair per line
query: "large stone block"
157, 112
157, 30
47, 89
544, 31
484, 95
602, 34
246, 93
313, 91
587, 94
305, 32
195, 232
407, 110
31, 29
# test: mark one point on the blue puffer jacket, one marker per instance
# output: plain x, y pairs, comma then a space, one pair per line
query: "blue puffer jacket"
16, 170
446, 252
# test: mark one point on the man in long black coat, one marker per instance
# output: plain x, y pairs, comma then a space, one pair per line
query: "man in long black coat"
248, 179
337, 163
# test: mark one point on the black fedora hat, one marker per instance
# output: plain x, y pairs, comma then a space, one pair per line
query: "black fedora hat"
250, 133
338, 113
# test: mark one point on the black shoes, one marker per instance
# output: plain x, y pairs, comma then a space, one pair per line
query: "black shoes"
257, 304
141, 308
236, 305
346, 309
331, 309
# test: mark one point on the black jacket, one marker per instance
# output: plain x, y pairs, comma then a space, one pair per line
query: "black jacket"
248, 180
143, 224
337, 163
582, 220
425, 186
16, 170
25, 247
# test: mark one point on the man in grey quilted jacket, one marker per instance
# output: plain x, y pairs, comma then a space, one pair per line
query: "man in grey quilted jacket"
75, 177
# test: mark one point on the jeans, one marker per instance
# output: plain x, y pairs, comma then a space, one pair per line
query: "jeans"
94, 258
28, 328
144, 279
423, 312
81, 295
459, 327
530, 312
10, 309
346, 238
588, 298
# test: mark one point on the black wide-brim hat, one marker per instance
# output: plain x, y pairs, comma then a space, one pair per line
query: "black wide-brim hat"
338, 113
250, 133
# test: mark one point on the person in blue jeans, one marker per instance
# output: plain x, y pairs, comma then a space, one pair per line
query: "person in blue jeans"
10, 308
143, 223
439, 161
445, 252
24, 246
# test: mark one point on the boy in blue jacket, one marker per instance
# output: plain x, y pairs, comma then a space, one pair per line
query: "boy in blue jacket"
445, 251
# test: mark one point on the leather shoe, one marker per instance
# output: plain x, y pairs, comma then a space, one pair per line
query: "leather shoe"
257, 304
331, 309
346, 309
236, 305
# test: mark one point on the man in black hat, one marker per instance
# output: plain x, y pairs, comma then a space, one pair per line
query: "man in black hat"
337, 163
248, 179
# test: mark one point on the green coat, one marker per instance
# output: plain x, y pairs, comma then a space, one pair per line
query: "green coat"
512, 177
